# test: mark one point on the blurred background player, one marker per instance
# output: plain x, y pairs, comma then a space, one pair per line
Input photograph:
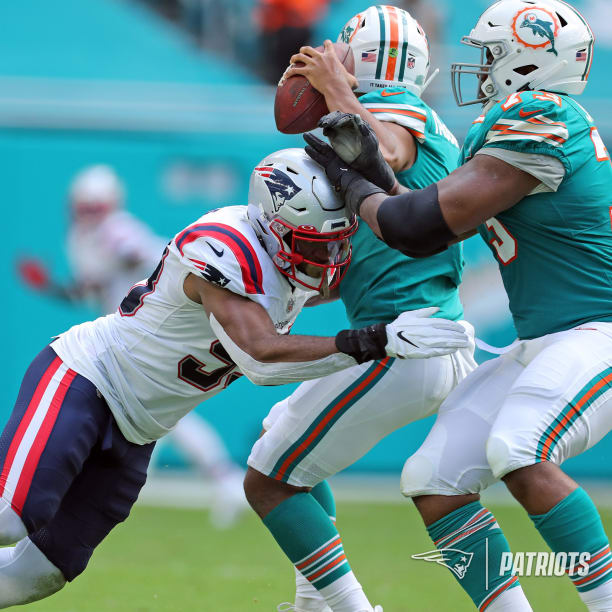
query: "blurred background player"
296, 453
109, 250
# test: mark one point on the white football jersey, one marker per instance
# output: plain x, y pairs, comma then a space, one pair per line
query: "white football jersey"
157, 357
98, 255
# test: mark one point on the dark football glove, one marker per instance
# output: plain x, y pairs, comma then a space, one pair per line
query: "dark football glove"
350, 184
356, 143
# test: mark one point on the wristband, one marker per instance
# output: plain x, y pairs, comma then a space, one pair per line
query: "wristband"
365, 344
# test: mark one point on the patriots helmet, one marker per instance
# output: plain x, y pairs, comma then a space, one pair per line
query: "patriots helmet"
390, 49
302, 223
527, 45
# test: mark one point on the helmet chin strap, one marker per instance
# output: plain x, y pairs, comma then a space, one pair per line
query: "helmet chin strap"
430, 78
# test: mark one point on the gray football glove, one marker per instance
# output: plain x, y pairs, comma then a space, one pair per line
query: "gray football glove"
348, 182
356, 144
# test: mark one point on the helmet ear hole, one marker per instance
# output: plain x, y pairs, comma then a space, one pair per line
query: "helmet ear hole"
562, 21
524, 70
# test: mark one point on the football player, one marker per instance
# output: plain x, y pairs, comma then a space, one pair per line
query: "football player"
326, 425
220, 303
535, 182
109, 250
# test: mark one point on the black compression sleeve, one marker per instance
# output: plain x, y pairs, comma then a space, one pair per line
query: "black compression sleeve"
413, 223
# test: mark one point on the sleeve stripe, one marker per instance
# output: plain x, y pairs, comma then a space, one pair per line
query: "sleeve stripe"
401, 109
415, 126
538, 128
252, 276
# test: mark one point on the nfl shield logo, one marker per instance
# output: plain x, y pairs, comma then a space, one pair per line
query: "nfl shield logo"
410, 63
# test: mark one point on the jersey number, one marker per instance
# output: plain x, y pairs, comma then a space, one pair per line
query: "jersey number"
133, 300
503, 241
601, 152
193, 371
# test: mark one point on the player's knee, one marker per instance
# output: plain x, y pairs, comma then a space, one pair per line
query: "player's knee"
27, 575
257, 488
417, 476
12, 528
499, 455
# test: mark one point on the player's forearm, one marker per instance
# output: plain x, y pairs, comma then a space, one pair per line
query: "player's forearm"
292, 348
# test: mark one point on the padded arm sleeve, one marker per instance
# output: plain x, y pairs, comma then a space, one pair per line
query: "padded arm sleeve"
278, 373
413, 223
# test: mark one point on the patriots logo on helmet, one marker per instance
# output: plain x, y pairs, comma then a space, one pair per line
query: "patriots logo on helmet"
280, 185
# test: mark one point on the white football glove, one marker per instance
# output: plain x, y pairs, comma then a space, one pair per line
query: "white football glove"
416, 335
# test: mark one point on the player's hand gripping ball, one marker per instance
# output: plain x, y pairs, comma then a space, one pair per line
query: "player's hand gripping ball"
298, 106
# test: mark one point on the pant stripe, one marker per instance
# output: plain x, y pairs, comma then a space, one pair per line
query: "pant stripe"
572, 411
491, 598
25, 421
33, 432
328, 417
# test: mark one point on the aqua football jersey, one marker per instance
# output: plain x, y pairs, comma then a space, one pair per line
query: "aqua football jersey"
382, 282
554, 248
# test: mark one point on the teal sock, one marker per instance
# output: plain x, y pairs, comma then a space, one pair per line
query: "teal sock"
470, 544
324, 495
574, 525
307, 536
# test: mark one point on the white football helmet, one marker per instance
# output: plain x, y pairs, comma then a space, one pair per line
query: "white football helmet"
95, 192
527, 45
390, 49
302, 223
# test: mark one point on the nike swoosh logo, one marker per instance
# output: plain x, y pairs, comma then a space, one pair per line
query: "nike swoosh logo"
401, 336
384, 93
523, 113
215, 251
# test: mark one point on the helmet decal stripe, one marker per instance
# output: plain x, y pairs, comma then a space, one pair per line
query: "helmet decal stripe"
393, 42
404, 47
381, 48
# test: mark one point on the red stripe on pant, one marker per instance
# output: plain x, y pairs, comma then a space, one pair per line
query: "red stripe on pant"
31, 463
26, 419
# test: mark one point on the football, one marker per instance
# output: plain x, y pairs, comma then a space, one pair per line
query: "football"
298, 106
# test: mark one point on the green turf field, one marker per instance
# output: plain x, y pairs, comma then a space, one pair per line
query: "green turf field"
168, 560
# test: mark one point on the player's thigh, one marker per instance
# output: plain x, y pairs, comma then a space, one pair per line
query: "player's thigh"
560, 406
101, 497
329, 423
57, 419
452, 460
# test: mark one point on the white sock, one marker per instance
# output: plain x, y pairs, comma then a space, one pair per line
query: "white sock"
12, 528
511, 600
598, 599
346, 595
307, 598
26, 575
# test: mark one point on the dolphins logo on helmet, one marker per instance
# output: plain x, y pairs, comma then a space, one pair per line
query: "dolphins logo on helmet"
281, 187
539, 23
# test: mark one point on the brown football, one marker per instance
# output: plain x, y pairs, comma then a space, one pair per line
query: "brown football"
298, 106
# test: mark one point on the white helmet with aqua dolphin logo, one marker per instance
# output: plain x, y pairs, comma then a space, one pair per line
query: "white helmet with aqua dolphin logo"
527, 45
